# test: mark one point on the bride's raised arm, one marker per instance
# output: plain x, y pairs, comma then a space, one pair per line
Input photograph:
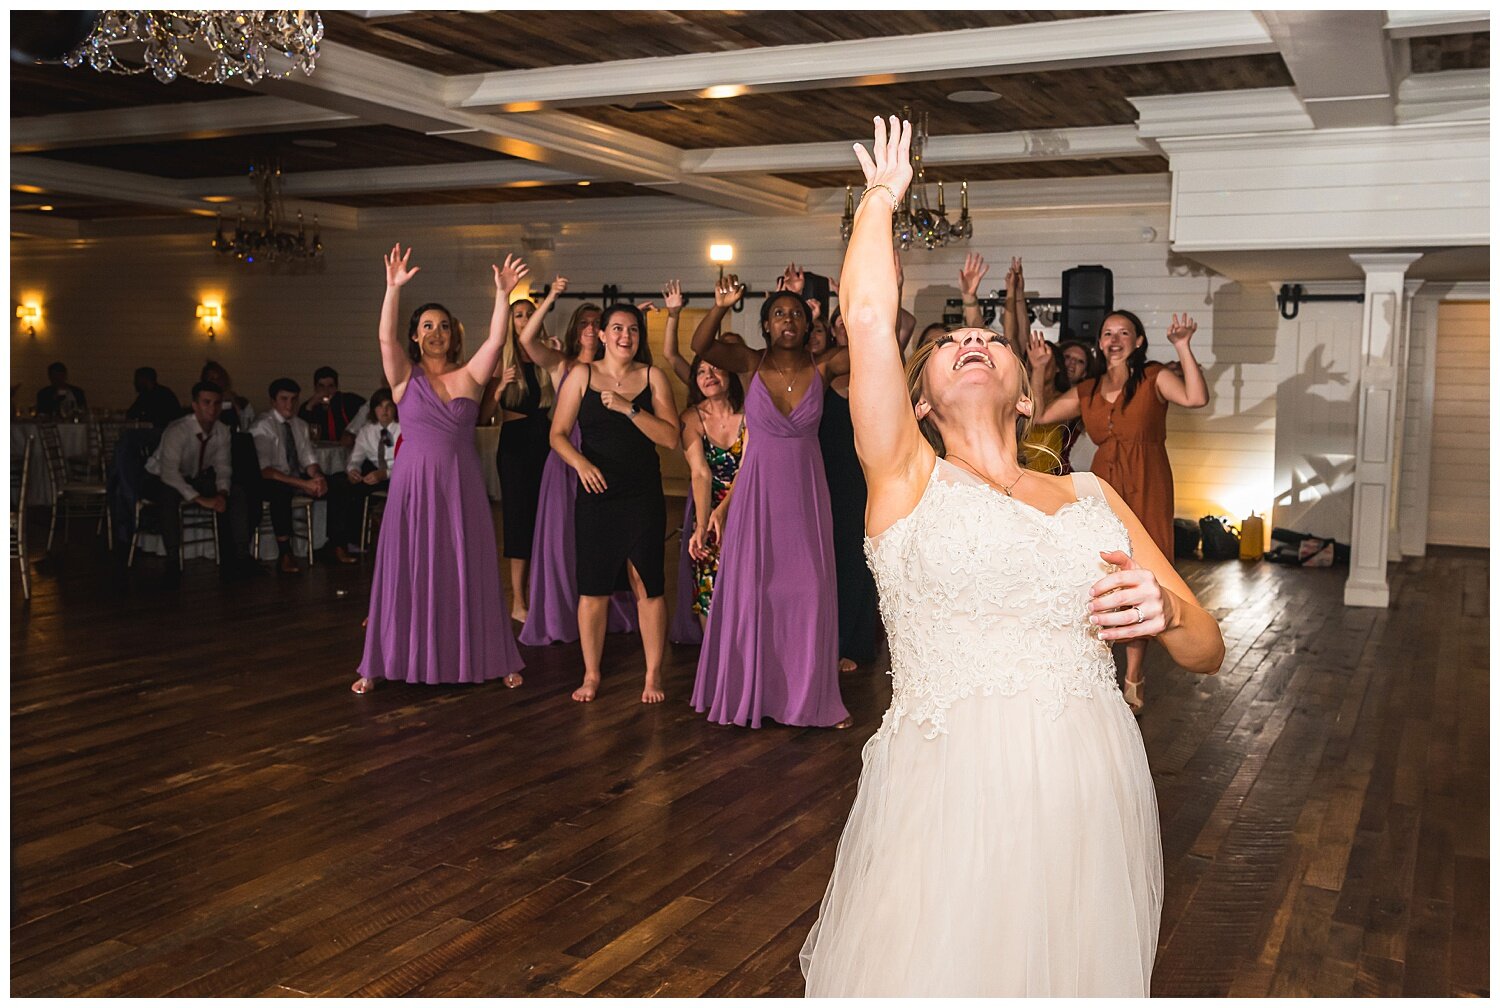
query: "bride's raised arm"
896, 458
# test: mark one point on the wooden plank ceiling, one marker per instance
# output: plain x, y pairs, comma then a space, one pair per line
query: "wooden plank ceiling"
1095, 96
452, 42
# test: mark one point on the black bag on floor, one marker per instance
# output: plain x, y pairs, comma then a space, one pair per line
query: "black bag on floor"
1220, 541
1184, 538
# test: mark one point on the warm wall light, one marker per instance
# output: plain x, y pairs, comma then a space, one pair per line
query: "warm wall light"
29, 314
209, 315
721, 254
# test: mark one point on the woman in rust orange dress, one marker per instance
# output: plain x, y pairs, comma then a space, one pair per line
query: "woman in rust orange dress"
1124, 412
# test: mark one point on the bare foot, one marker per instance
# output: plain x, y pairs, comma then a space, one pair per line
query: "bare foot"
362, 685
848, 722
588, 690
653, 691
513, 680
847, 665
519, 615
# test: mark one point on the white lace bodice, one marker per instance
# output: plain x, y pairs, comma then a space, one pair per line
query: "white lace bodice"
981, 593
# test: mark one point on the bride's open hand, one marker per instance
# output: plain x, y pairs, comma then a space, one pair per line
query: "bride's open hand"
888, 162
1130, 603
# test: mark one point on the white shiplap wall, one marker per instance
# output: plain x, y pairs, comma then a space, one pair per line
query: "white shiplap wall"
1350, 188
1460, 463
112, 304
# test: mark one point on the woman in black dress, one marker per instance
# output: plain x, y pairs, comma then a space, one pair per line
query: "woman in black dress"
624, 409
859, 617
525, 397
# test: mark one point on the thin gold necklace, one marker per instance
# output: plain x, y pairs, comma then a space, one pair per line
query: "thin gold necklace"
1001, 486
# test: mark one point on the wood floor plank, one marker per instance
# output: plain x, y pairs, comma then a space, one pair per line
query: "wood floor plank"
215, 818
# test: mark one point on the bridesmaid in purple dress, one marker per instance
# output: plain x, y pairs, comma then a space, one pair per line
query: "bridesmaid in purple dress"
770, 649
552, 616
437, 581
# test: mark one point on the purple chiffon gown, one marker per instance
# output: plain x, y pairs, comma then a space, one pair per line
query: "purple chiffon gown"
685, 628
553, 615
436, 587
771, 646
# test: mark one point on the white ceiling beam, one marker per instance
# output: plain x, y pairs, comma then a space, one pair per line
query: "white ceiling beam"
159, 123
51, 175
1084, 143
37, 225
1419, 23
1342, 64
1054, 45
1215, 113
382, 90
410, 178
1451, 96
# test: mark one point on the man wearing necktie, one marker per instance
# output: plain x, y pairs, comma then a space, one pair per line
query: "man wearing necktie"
288, 465
374, 454
191, 467
330, 414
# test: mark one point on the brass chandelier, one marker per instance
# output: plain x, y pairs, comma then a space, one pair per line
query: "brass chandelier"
267, 242
916, 222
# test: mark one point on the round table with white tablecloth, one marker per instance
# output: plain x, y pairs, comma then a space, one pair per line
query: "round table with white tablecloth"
75, 443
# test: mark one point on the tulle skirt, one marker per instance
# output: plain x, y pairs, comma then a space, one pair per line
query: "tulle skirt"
1015, 855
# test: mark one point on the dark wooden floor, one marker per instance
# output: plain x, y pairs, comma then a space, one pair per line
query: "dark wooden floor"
200, 806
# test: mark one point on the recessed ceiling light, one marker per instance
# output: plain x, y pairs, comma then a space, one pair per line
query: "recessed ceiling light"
973, 97
46, 206
217, 199
314, 143
28, 188
584, 182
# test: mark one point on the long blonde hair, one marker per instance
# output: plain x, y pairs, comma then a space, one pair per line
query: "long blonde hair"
510, 356
916, 367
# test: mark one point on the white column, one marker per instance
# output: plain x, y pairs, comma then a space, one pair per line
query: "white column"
1382, 351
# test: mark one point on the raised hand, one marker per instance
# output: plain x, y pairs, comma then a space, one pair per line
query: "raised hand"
1038, 353
396, 271
816, 307
559, 285
646, 307
728, 291
507, 277
1015, 279
971, 274
888, 161
1181, 331
1130, 603
792, 279
671, 294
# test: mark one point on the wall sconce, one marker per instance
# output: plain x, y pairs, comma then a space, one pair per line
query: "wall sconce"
209, 316
29, 314
722, 255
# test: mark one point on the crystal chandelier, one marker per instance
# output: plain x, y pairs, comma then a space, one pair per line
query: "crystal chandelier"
268, 243
222, 45
915, 222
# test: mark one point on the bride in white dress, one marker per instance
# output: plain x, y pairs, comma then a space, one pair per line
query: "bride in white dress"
1004, 840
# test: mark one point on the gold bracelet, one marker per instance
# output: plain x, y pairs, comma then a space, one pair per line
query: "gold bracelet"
881, 185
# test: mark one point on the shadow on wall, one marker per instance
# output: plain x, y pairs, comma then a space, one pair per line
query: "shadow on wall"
1315, 459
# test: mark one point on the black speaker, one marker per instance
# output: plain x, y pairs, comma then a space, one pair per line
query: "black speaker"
1088, 296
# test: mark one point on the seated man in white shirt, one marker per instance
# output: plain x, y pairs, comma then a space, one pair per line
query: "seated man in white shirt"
374, 454
192, 464
289, 467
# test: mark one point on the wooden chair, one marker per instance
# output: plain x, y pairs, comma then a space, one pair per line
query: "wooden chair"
370, 524
299, 504
20, 483
194, 519
72, 497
